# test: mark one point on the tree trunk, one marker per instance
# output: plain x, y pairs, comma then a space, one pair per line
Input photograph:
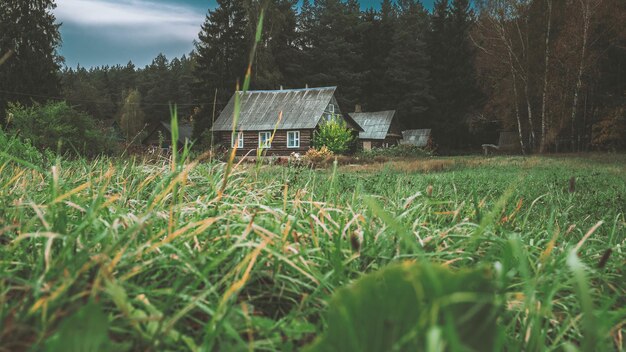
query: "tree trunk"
519, 121
544, 122
531, 125
584, 4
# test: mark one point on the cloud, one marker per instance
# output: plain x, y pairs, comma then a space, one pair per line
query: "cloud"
132, 20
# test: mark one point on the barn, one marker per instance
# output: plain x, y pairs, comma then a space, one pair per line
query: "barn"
294, 114
380, 129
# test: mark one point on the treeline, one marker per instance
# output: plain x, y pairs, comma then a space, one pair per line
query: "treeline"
106, 92
553, 71
389, 58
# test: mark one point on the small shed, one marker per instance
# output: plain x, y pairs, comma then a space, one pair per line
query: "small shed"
380, 129
418, 138
279, 122
508, 142
161, 135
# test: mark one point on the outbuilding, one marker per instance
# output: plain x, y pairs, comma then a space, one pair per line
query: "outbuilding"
380, 129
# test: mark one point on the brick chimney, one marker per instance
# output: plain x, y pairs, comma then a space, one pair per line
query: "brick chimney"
357, 108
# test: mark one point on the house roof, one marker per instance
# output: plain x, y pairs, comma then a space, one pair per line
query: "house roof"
260, 109
417, 138
184, 131
375, 125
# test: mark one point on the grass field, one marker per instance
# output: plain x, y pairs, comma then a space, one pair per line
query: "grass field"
173, 256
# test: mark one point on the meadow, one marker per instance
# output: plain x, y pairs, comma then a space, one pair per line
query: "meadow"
125, 254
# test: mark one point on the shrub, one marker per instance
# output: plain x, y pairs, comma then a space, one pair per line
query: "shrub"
316, 157
610, 132
56, 126
335, 135
15, 148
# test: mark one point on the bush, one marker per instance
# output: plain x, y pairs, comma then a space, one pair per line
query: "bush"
397, 151
56, 126
335, 135
13, 147
610, 132
317, 157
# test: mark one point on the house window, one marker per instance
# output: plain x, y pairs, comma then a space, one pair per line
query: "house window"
293, 139
238, 140
331, 108
265, 139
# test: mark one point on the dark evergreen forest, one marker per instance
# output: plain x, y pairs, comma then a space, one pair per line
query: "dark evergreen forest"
549, 70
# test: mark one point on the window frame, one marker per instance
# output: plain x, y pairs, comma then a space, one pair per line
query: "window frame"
239, 139
268, 140
296, 139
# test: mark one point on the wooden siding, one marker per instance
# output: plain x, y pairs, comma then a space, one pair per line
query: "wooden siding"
380, 143
279, 144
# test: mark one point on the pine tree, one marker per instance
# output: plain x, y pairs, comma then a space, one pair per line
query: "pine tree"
453, 80
333, 51
407, 65
277, 53
222, 53
29, 36
305, 31
377, 31
158, 90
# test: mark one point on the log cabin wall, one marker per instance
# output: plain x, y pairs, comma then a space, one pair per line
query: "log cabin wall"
278, 147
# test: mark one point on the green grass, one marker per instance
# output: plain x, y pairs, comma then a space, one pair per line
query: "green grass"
176, 265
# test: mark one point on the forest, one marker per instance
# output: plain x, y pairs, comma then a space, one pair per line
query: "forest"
552, 71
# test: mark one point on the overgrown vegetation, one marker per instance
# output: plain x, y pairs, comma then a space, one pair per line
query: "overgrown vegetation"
175, 264
397, 151
57, 127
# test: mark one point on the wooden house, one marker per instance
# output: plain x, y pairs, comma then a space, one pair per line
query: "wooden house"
295, 115
380, 129
161, 135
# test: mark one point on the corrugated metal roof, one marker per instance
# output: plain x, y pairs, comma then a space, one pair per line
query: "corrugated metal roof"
375, 124
301, 108
417, 138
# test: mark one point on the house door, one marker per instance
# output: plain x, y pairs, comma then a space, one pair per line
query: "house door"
367, 145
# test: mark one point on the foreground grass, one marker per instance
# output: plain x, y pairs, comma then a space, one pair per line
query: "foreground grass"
179, 265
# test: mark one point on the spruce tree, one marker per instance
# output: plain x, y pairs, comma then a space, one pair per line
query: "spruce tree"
333, 50
453, 76
158, 89
277, 53
29, 38
221, 58
377, 31
407, 73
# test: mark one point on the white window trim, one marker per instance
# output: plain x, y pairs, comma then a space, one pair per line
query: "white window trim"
239, 140
331, 108
296, 139
268, 140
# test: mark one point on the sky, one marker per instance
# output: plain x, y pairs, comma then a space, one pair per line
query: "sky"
111, 32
